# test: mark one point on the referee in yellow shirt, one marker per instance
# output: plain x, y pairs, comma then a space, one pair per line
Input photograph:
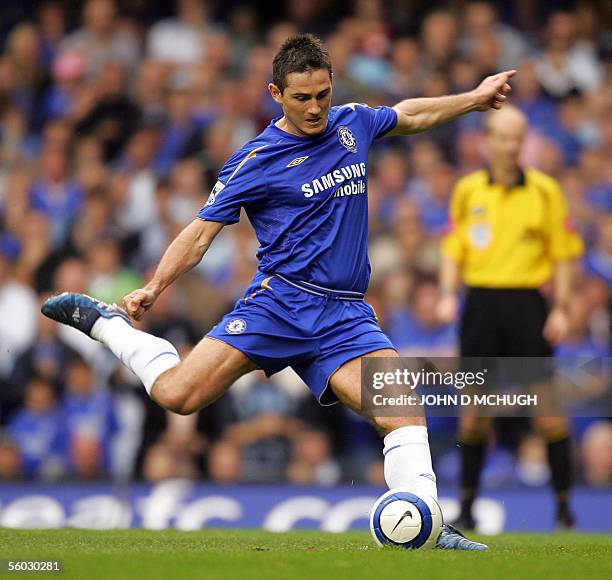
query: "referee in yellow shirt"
509, 234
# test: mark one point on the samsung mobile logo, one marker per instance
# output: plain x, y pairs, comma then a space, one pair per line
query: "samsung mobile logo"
332, 178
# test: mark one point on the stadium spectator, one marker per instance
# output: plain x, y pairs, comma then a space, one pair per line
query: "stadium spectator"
35, 239
263, 428
566, 63
433, 203
68, 74
18, 306
417, 330
598, 260
46, 358
597, 454
107, 112
38, 430
10, 460
438, 37
102, 39
28, 79
177, 452
181, 40
480, 20
108, 278
56, 194
531, 465
312, 462
580, 341
95, 222
51, 21
224, 463
90, 421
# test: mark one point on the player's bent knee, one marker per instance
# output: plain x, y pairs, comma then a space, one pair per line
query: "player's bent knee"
184, 395
172, 397
170, 401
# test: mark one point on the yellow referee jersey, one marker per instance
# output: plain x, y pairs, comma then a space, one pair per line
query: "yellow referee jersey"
509, 238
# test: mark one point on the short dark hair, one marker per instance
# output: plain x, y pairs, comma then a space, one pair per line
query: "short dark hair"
299, 53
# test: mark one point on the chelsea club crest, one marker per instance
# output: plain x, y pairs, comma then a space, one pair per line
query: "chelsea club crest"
347, 139
235, 326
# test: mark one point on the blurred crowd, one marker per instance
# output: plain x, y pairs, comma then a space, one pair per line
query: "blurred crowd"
115, 119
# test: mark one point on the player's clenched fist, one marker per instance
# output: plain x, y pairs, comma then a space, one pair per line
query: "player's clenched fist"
492, 91
136, 303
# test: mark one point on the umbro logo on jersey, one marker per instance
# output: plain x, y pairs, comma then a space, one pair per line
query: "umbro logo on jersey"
297, 161
76, 315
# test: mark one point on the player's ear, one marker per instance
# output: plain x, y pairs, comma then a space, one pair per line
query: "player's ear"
276, 93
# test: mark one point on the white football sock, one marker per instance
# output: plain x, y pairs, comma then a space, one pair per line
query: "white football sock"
408, 460
147, 356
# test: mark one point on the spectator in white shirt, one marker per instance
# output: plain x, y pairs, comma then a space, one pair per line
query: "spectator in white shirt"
18, 313
180, 40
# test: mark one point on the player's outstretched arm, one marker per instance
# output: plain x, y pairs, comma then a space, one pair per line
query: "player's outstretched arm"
186, 250
416, 115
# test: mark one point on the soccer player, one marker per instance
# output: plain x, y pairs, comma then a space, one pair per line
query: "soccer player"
303, 185
510, 234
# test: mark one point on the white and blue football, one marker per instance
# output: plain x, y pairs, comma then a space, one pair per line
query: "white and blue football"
407, 518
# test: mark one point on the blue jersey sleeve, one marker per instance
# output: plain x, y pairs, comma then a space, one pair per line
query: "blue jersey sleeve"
378, 121
240, 183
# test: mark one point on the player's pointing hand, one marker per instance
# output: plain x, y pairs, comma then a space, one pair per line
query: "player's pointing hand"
492, 91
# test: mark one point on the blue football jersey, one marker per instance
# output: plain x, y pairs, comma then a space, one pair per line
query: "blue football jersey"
306, 197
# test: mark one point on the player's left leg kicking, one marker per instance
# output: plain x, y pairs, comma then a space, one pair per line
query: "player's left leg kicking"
406, 446
182, 387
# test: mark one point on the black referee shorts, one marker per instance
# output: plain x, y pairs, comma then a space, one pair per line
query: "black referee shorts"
507, 323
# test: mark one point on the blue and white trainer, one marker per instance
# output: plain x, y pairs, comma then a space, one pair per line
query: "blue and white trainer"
80, 311
452, 539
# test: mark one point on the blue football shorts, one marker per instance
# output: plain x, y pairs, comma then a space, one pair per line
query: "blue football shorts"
280, 323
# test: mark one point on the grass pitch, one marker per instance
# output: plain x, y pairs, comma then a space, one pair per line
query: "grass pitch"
245, 555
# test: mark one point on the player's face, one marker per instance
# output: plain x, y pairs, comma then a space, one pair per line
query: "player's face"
305, 102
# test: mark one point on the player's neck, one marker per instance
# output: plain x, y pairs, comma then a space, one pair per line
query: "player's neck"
284, 124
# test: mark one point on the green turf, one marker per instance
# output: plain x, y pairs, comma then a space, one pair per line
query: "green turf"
243, 555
